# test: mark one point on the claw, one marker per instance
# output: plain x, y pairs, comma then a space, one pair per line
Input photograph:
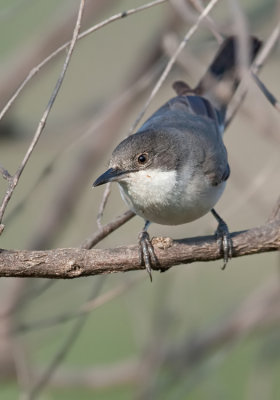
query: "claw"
147, 255
223, 237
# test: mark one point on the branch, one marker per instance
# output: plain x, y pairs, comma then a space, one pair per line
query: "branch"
105, 230
74, 262
255, 68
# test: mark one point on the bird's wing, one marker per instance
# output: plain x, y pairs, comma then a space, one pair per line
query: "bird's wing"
183, 111
207, 125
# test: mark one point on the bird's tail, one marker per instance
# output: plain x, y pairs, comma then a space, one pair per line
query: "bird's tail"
223, 75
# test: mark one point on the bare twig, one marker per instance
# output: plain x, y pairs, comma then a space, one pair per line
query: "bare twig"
38, 48
264, 54
105, 230
255, 68
13, 181
270, 97
103, 203
87, 32
249, 187
266, 49
183, 9
89, 306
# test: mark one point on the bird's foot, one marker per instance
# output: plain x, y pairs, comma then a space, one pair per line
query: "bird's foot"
224, 239
147, 255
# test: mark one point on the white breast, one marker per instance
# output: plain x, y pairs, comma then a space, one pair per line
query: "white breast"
159, 196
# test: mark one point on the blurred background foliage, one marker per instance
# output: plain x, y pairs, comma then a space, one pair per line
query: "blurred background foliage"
141, 343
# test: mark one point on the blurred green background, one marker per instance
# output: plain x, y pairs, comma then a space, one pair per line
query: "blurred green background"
125, 348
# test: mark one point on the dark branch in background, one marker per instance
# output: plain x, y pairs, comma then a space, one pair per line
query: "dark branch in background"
260, 310
270, 97
86, 308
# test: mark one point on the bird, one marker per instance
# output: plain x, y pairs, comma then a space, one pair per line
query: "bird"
174, 169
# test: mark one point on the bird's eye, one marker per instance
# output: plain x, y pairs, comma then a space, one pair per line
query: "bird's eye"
142, 159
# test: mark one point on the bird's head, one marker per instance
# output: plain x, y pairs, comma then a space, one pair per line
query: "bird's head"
141, 154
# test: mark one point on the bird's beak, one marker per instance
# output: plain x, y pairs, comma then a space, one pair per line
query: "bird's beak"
110, 175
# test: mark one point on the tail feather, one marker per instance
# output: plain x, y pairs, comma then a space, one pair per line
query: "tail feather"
222, 77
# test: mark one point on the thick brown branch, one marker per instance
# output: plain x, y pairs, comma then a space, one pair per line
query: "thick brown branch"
71, 263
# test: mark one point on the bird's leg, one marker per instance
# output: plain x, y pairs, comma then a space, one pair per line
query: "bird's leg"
147, 255
223, 236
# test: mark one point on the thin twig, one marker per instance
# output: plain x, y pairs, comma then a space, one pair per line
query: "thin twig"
249, 187
60, 49
270, 97
255, 68
264, 54
266, 49
86, 308
183, 9
105, 230
103, 203
14, 181
38, 48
